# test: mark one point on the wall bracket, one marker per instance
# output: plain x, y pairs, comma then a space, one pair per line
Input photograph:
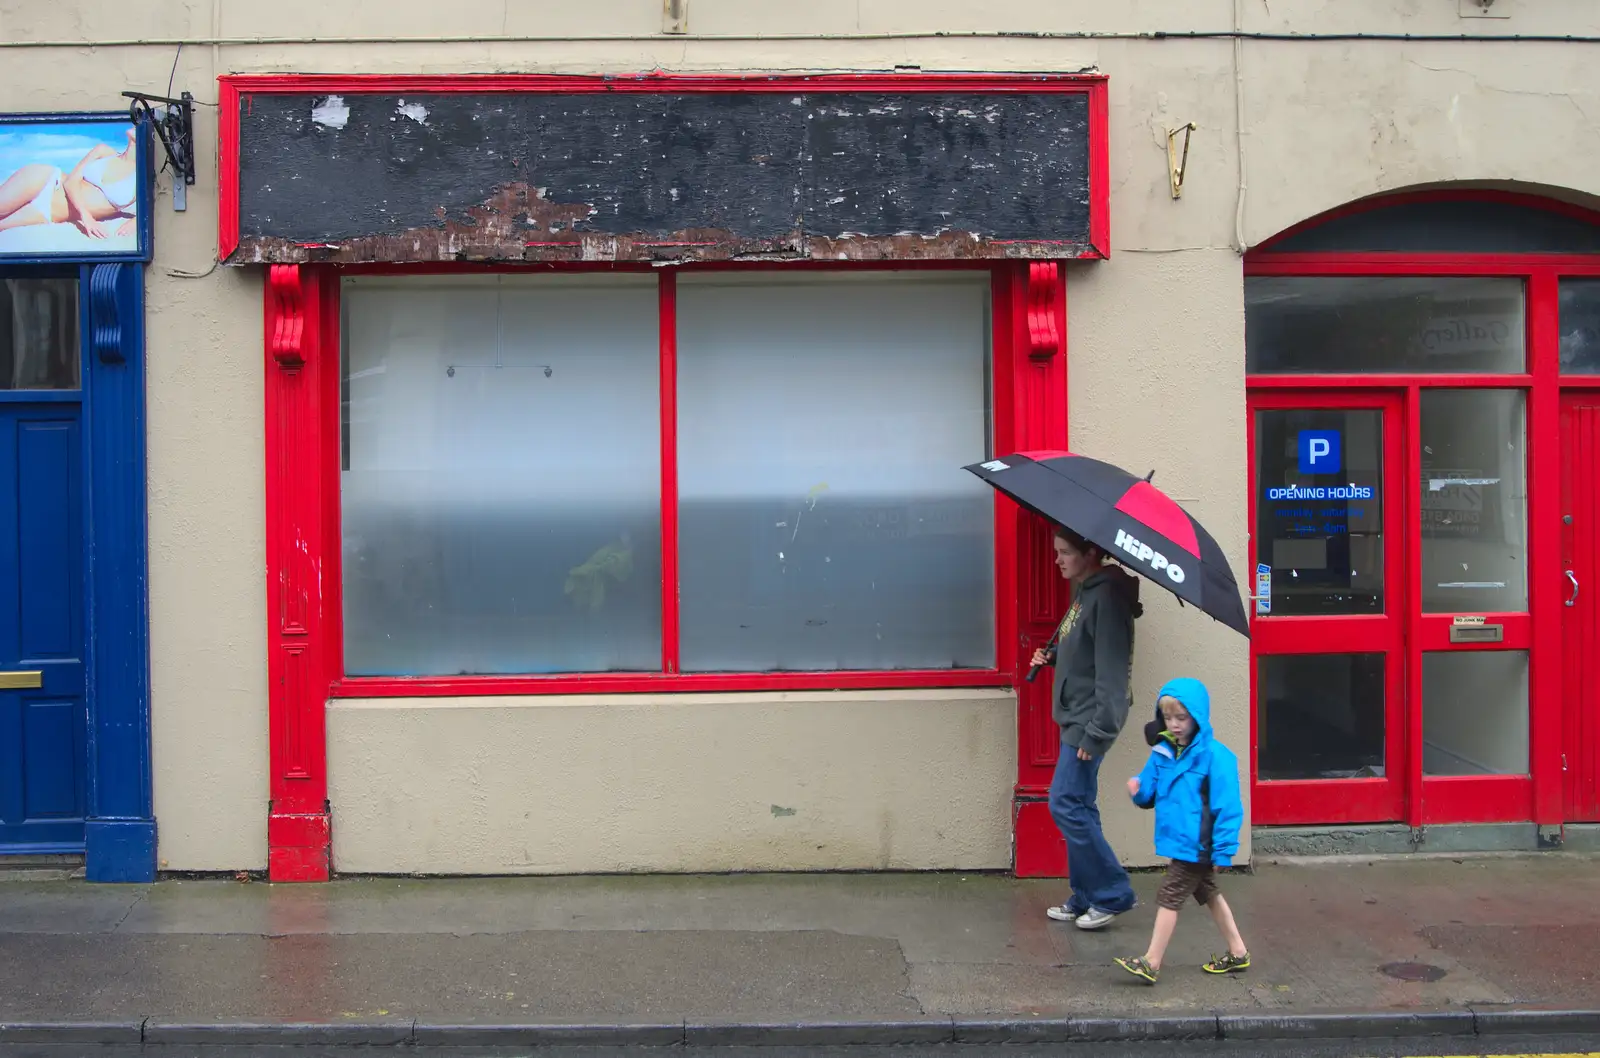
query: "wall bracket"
175, 127
1178, 163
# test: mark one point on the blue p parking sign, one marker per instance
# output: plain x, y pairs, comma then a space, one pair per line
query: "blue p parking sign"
1321, 452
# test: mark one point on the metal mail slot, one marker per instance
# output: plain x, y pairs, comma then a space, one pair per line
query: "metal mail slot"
1477, 634
21, 680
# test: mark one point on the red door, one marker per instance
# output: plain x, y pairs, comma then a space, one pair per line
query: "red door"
1328, 674
1580, 537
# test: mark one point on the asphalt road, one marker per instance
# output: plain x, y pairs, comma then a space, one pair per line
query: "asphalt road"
1483, 1047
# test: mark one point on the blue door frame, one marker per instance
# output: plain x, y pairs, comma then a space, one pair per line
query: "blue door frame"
119, 833
119, 829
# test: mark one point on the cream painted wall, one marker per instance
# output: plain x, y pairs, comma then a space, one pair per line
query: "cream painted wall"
1156, 372
888, 780
1156, 382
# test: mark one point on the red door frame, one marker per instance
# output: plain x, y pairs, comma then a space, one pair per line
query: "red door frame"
1341, 800
1580, 552
1540, 795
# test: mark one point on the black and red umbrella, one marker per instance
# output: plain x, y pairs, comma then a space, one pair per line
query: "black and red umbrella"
1135, 522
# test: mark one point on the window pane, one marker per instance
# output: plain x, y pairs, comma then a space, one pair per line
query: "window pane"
1357, 325
39, 334
1580, 326
1475, 713
1449, 226
1321, 716
501, 494
1319, 509
825, 520
1474, 501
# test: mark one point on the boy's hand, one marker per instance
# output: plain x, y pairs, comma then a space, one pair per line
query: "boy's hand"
1133, 786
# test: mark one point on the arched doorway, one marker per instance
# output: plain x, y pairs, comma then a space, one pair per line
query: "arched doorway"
1423, 374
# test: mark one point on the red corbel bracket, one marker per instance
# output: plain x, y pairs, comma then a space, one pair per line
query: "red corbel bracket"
1044, 303
289, 328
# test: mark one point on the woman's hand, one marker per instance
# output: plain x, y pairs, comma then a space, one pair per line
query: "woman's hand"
1084, 754
1133, 786
1040, 658
126, 227
91, 227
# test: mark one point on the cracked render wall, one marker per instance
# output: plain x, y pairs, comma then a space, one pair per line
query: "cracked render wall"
1156, 375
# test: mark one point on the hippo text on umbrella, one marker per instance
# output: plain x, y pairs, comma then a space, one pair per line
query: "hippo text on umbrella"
1148, 555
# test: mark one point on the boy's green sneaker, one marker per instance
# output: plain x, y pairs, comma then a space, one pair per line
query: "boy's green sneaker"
1137, 966
1227, 963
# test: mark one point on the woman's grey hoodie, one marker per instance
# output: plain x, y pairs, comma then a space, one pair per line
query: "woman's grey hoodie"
1094, 661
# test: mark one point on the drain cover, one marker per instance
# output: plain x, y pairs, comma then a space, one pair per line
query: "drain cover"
1412, 971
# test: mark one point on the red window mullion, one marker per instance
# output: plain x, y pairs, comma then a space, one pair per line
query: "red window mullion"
1003, 432
668, 334
332, 382
1545, 583
1387, 382
1352, 634
1410, 512
1516, 633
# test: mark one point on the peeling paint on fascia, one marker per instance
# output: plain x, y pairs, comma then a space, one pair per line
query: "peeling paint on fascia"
415, 111
331, 113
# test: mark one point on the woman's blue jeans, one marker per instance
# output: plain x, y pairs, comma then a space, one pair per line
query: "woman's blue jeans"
1098, 880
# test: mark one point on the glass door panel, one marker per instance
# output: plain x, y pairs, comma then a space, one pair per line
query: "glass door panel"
1471, 664
1329, 672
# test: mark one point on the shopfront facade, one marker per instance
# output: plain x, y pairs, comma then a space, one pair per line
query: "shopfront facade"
554, 430
1420, 374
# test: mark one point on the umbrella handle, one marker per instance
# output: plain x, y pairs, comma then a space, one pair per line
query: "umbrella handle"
1050, 648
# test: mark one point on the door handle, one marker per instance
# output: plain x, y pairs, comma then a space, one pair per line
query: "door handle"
1574, 600
21, 680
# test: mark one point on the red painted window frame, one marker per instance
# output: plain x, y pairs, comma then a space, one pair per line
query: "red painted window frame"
669, 678
301, 343
1539, 795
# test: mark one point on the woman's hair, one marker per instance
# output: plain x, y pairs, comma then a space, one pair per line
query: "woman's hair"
1078, 543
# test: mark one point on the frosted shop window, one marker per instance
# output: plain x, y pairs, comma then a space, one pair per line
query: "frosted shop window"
501, 486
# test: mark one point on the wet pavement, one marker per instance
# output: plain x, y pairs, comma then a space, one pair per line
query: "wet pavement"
1405, 934
1552, 1046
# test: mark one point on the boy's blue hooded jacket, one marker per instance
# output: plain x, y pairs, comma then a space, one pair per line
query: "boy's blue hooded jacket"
1188, 828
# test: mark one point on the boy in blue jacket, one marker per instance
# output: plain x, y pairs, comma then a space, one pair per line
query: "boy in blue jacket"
1192, 781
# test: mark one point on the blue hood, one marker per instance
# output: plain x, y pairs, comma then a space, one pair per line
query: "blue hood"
1197, 700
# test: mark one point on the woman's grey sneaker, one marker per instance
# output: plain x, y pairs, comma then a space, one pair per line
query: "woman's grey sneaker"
1094, 918
1061, 913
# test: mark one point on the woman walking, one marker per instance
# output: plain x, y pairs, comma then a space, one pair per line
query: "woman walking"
1093, 661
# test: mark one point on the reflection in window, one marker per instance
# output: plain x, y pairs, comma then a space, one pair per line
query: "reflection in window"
1321, 716
501, 474
825, 523
39, 334
1580, 326
1359, 325
1452, 225
501, 504
1319, 509
1475, 713
1474, 501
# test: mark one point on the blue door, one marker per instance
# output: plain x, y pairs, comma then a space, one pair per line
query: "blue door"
43, 702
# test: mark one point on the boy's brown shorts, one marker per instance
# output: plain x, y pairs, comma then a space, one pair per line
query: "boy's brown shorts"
1183, 880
